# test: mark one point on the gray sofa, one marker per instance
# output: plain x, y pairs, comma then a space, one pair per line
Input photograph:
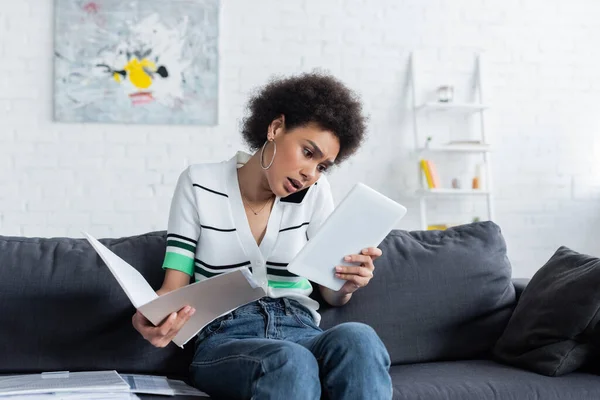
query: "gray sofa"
439, 300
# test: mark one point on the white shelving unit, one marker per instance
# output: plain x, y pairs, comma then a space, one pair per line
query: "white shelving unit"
425, 194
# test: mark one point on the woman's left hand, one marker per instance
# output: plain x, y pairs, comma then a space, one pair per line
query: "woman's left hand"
358, 276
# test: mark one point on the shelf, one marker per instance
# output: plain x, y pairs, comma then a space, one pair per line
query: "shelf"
452, 192
458, 107
426, 107
457, 148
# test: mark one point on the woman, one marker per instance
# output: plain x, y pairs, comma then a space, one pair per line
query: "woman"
258, 211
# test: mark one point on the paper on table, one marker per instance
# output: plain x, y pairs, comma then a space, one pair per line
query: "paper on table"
183, 389
150, 384
74, 396
211, 297
105, 381
96, 396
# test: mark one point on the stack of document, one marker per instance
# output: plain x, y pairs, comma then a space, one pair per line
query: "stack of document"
72, 396
93, 385
66, 385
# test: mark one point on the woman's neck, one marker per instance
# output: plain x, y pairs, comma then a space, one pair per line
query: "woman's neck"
253, 182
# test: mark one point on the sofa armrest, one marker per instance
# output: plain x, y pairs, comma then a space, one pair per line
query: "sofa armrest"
520, 284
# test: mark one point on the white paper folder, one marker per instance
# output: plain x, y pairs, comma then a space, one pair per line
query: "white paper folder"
211, 297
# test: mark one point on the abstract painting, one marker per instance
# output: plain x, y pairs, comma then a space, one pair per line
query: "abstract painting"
136, 61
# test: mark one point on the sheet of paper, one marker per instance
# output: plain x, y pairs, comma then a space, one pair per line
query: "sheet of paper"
150, 384
211, 298
96, 396
183, 389
74, 396
55, 382
133, 283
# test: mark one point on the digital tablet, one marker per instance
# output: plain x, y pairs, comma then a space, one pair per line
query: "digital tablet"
362, 219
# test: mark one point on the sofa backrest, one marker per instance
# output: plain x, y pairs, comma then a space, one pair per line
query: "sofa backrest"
436, 295
63, 310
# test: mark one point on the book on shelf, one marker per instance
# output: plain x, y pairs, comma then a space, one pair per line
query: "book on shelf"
431, 174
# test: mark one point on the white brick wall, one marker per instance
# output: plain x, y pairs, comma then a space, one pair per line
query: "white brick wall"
543, 82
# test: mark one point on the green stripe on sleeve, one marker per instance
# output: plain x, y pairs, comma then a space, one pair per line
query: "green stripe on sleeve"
181, 245
179, 262
303, 284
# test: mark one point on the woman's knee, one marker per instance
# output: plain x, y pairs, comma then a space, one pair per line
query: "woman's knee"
293, 369
291, 357
355, 331
360, 338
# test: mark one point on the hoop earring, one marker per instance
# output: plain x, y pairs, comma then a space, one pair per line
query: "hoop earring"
262, 151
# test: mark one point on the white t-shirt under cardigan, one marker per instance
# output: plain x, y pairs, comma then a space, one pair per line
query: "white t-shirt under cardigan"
208, 230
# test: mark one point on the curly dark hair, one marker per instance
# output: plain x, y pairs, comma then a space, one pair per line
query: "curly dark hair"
313, 97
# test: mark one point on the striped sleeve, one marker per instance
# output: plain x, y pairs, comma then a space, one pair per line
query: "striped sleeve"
323, 206
183, 228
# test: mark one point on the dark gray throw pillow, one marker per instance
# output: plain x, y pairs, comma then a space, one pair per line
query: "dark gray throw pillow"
551, 329
435, 295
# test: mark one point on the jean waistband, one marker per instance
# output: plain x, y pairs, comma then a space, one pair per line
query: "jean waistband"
281, 306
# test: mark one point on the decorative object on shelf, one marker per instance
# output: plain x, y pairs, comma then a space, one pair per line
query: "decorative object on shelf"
445, 93
455, 183
478, 178
137, 61
428, 142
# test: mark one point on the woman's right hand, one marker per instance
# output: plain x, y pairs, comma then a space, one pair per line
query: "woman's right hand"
161, 335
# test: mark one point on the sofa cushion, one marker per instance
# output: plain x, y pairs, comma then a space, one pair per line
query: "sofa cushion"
63, 310
436, 294
485, 379
552, 329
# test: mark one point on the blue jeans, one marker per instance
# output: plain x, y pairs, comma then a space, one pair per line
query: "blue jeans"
272, 349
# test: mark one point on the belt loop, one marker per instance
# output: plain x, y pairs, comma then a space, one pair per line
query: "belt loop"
287, 305
261, 304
